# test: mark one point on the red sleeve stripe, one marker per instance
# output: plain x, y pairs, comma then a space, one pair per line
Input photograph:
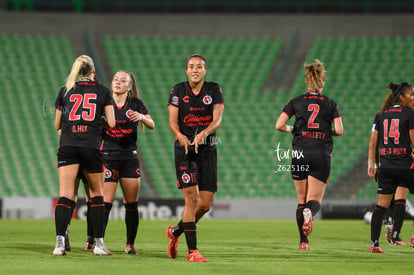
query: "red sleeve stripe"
283, 112
169, 104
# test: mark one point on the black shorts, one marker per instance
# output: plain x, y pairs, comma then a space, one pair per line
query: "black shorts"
196, 169
390, 179
317, 165
88, 158
116, 169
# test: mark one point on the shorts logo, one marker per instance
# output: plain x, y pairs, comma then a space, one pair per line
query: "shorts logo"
108, 174
186, 178
207, 100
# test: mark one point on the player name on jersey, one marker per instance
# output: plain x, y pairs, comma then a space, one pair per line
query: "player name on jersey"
313, 134
393, 151
79, 128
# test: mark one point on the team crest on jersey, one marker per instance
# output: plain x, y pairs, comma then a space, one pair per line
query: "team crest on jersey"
186, 178
207, 100
129, 113
174, 100
108, 174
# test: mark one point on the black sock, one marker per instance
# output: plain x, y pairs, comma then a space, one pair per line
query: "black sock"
98, 216
131, 221
376, 223
62, 215
299, 221
89, 225
398, 213
178, 229
190, 231
314, 207
72, 209
108, 207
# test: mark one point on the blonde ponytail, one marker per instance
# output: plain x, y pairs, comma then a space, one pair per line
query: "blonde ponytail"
315, 75
83, 66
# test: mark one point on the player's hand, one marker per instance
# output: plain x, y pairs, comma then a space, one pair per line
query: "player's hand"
135, 116
183, 141
199, 139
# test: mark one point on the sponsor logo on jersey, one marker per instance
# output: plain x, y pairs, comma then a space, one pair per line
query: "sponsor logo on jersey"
207, 100
108, 173
129, 113
186, 178
186, 99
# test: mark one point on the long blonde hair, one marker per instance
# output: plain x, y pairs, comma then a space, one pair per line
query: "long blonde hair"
83, 66
315, 75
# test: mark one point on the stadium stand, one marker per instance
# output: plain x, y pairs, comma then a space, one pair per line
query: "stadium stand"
31, 72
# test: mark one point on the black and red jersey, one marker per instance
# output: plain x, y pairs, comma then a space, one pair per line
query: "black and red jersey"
394, 144
120, 142
314, 115
82, 110
195, 111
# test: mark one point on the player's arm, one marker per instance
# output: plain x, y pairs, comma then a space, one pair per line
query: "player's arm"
58, 119
281, 123
338, 127
175, 128
110, 116
373, 158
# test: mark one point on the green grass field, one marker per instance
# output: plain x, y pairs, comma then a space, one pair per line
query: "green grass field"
231, 247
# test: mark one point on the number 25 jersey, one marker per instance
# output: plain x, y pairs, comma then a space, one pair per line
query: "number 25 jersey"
82, 109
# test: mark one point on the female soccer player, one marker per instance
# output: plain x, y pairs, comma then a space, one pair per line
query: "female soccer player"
120, 152
80, 106
195, 112
390, 158
312, 145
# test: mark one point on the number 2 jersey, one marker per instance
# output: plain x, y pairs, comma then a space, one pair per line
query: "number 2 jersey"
394, 143
195, 111
314, 115
120, 142
82, 110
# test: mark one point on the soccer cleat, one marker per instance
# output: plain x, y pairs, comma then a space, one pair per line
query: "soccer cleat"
100, 249
67, 241
304, 246
195, 256
388, 233
396, 242
89, 246
130, 249
307, 223
60, 246
173, 242
374, 249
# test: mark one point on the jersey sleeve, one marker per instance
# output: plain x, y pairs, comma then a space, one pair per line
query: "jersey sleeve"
288, 109
174, 99
141, 108
218, 95
108, 98
411, 121
375, 124
59, 99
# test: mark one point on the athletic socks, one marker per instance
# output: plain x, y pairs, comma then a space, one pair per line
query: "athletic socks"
398, 214
299, 221
63, 215
89, 227
98, 216
108, 207
314, 207
376, 223
178, 229
190, 231
131, 221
